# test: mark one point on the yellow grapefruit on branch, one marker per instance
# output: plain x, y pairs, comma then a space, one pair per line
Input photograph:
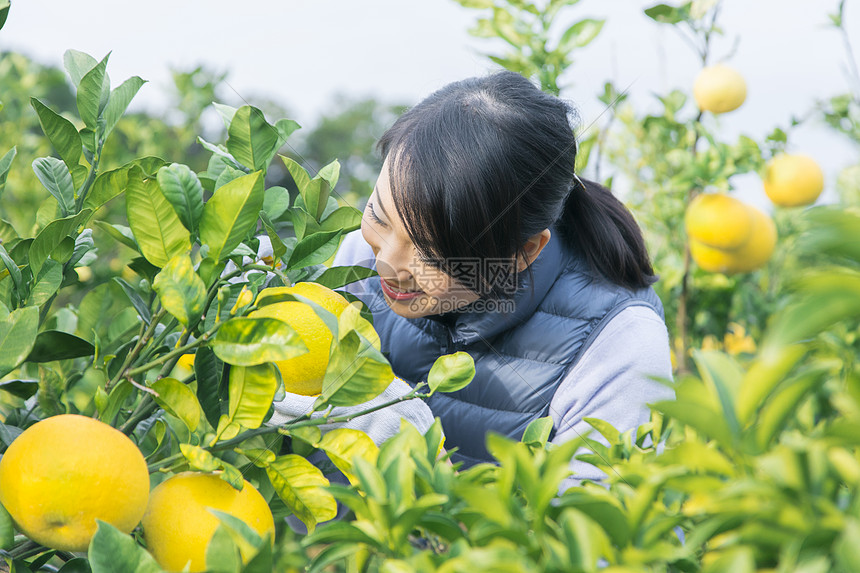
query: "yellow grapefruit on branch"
793, 180
718, 220
304, 374
178, 525
64, 472
719, 89
753, 254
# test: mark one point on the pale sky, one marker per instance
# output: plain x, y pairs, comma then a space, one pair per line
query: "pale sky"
300, 52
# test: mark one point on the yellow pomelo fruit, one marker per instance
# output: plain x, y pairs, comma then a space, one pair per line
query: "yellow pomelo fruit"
718, 221
748, 257
178, 526
719, 89
186, 361
64, 472
793, 180
304, 374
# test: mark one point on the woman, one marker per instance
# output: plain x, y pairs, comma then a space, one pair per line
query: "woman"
486, 241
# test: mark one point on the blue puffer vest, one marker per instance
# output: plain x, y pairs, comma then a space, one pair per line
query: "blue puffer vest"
521, 357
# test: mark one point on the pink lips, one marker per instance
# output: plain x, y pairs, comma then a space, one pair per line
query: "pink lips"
388, 289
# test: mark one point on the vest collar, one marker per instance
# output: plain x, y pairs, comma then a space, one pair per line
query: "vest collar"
476, 322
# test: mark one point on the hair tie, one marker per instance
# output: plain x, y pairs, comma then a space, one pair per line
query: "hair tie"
578, 181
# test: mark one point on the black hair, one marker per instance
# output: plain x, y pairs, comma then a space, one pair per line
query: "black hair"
483, 164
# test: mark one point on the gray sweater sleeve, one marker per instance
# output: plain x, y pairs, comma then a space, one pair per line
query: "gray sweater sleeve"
613, 382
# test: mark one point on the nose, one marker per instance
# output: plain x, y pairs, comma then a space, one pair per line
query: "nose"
391, 264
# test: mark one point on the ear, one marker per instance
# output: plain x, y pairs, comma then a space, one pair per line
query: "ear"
532, 248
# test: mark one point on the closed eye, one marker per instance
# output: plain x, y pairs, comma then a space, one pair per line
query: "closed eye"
374, 216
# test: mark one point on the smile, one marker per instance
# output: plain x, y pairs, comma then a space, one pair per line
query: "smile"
397, 293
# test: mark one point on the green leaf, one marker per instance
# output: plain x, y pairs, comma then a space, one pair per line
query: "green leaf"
276, 200
208, 370
109, 184
580, 34
231, 214
315, 196
356, 372
697, 416
285, 128
341, 445
723, 376
181, 292
155, 225
78, 64
46, 284
827, 297
76, 565
61, 132
252, 341
251, 139
279, 249
4, 13
53, 345
199, 459
136, 301
13, 270
314, 249
182, 188
57, 179
119, 100
833, 231
251, 393
734, 560
345, 219
252, 547
21, 388
846, 549
8, 434
7, 530
93, 93
119, 233
297, 172
5, 165
336, 277
52, 236
782, 406
222, 554
177, 399
537, 433
112, 550
451, 372
300, 485
665, 14
17, 336
764, 374
8, 234
303, 223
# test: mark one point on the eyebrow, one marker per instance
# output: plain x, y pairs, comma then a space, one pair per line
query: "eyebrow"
379, 202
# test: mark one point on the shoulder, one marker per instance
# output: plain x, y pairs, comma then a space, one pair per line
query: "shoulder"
619, 373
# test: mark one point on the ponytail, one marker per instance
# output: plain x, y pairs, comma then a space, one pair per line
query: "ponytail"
597, 225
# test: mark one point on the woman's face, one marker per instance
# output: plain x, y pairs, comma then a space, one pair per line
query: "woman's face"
411, 286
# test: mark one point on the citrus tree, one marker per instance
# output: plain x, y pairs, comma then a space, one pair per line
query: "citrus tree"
174, 365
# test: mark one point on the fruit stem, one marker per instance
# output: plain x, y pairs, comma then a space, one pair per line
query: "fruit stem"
144, 409
682, 319
141, 342
175, 353
299, 422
